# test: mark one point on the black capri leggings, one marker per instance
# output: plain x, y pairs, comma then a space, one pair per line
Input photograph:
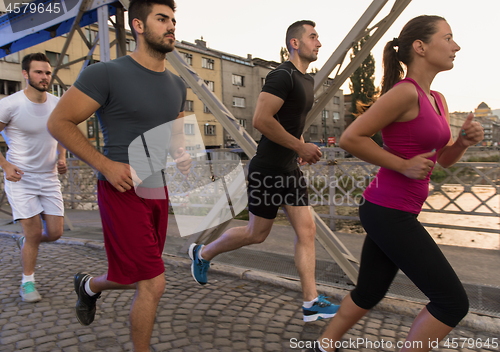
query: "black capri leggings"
396, 239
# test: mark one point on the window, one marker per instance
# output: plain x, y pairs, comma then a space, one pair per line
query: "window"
336, 100
9, 87
207, 63
209, 130
336, 115
53, 57
189, 105
210, 85
57, 90
324, 114
130, 45
14, 58
313, 129
189, 128
238, 102
3, 150
206, 110
243, 123
188, 58
90, 35
238, 80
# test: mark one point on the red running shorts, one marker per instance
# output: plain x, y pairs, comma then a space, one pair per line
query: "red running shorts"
134, 231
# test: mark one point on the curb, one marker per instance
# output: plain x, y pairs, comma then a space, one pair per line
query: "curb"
388, 304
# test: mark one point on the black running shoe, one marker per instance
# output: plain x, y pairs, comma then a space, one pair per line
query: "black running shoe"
314, 349
85, 306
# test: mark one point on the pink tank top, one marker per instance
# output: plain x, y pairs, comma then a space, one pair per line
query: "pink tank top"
428, 131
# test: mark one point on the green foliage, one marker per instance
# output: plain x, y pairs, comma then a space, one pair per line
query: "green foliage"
484, 159
362, 85
465, 174
363, 79
243, 215
284, 55
439, 174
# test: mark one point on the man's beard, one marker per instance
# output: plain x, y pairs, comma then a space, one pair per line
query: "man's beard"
311, 57
40, 89
156, 47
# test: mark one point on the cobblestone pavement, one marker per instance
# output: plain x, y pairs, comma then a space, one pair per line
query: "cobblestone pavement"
227, 315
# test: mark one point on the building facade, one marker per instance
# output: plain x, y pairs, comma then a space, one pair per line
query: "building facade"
235, 80
490, 123
457, 120
330, 125
208, 67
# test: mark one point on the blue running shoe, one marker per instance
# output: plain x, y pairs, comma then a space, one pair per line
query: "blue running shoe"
199, 267
321, 309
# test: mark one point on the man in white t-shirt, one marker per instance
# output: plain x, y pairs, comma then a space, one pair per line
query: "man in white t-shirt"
30, 171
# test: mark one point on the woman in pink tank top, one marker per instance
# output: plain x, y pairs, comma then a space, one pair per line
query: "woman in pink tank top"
414, 121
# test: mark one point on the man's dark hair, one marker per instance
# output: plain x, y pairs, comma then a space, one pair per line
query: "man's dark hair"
295, 31
25, 65
141, 9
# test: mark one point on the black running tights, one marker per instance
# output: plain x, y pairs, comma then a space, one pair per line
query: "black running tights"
397, 240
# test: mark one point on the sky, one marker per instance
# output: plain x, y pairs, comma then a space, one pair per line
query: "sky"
258, 27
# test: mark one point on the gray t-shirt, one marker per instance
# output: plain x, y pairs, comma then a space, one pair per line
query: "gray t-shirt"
133, 100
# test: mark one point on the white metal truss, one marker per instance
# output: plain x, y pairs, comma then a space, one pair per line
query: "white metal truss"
325, 236
359, 31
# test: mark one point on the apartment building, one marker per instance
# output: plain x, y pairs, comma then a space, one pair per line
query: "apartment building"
235, 80
208, 67
331, 122
490, 122
242, 82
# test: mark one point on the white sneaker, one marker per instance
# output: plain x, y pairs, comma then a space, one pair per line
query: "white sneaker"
29, 293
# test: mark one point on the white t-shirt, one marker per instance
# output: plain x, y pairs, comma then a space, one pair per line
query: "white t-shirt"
31, 147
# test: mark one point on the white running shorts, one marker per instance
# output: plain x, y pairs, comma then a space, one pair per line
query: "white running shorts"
35, 193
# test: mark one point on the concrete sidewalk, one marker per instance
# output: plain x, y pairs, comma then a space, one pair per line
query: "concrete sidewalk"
473, 265
229, 314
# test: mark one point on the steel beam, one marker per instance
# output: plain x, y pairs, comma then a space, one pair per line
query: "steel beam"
221, 113
84, 6
26, 29
359, 31
102, 20
326, 237
351, 38
121, 49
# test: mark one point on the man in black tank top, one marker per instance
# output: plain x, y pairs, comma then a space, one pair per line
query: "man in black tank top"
274, 177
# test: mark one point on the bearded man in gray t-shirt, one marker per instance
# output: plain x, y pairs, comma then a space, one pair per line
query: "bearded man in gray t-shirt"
131, 96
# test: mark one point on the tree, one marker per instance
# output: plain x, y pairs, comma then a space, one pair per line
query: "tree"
362, 85
284, 55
